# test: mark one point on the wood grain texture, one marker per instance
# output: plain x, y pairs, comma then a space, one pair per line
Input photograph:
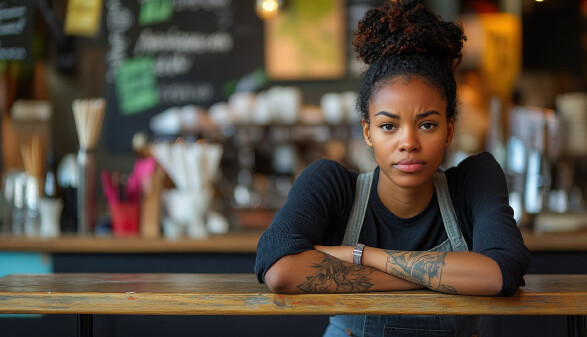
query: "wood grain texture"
241, 294
234, 242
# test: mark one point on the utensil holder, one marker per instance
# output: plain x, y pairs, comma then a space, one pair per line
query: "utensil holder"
86, 191
125, 218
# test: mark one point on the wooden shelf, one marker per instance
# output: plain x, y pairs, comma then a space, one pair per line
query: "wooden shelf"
555, 241
234, 242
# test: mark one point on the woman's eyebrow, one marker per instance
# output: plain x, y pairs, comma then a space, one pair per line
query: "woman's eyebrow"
428, 113
388, 114
422, 115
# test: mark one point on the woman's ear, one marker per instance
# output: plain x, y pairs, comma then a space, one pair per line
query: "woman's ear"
450, 132
367, 133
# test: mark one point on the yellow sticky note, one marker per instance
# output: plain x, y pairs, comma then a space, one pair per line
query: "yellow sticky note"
83, 17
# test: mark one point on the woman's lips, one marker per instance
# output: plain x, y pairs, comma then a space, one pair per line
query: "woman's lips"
409, 165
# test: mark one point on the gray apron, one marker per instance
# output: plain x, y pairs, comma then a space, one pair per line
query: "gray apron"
405, 325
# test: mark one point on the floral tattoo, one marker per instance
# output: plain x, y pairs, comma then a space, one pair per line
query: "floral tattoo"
334, 275
424, 268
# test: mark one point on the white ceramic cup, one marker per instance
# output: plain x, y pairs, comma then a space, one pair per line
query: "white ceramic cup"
50, 212
332, 108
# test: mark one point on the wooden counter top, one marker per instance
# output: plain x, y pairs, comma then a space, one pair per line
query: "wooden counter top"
241, 294
234, 242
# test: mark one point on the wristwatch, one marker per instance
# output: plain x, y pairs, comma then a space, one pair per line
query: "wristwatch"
358, 253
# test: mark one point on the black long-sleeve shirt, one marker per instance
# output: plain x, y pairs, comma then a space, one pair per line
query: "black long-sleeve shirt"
319, 204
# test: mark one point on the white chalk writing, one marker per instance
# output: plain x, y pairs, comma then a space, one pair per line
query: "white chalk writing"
187, 92
12, 12
175, 40
15, 27
171, 65
194, 5
118, 20
16, 53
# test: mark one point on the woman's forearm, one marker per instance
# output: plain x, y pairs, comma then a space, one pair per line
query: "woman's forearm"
465, 273
313, 271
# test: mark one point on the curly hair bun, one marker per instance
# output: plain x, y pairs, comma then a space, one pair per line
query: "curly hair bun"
403, 27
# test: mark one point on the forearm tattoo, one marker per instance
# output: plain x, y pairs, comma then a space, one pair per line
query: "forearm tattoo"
424, 268
334, 275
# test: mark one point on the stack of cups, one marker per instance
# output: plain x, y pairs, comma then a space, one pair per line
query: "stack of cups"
338, 108
193, 167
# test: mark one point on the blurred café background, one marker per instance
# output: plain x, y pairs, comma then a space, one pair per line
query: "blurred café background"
138, 135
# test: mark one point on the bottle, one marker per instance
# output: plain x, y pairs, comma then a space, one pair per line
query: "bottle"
50, 205
51, 189
495, 135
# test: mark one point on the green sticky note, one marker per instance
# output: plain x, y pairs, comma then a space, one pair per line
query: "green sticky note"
136, 85
153, 11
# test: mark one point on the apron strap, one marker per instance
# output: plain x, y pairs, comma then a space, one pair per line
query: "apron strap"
355, 222
449, 218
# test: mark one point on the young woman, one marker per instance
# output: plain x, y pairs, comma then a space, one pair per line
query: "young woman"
407, 225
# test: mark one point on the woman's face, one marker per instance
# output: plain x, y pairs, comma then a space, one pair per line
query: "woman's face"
408, 131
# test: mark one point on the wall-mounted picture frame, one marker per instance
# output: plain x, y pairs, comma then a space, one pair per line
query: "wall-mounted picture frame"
305, 41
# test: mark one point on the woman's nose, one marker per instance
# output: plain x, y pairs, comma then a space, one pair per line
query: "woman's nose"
409, 141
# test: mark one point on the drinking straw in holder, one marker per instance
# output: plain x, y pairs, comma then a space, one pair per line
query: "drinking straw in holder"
88, 115
33, 159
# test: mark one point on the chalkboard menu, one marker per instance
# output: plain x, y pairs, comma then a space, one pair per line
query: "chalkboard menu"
16, 30
166, 53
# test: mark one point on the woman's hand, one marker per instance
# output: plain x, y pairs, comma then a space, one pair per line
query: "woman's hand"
344, 253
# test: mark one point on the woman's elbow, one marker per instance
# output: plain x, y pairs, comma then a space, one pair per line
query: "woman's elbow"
489, 278
494, 279
278, 279
489, 284
496, 284
274, 280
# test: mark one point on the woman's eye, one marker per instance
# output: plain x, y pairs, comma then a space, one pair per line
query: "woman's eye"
428, 125
388, 127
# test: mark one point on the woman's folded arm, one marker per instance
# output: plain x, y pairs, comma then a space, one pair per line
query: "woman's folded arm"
314, 271
465, 273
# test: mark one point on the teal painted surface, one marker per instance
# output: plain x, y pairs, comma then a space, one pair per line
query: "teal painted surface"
24, 263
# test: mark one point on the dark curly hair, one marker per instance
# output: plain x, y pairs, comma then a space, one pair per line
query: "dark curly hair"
405, 38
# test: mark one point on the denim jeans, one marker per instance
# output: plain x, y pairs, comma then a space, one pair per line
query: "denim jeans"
403, 326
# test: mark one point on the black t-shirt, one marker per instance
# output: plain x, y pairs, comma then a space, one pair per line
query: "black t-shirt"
319, 204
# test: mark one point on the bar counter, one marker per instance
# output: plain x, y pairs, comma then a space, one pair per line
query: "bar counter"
233, 253
241, 294
233, 242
